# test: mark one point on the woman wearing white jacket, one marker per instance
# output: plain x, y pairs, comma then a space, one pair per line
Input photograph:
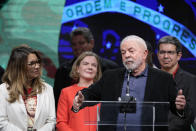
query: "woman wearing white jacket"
26, 102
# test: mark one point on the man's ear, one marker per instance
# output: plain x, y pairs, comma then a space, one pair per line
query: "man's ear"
179, 55
92, 42
146, 54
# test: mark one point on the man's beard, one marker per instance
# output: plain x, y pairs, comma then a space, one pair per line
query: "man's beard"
132, 65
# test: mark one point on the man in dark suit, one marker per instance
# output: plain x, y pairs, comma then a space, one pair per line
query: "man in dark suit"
169, 54
81, 40
1, 73
146, 85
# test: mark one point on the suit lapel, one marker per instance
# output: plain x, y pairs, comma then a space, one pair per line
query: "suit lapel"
148, 89
121, 80
179, 76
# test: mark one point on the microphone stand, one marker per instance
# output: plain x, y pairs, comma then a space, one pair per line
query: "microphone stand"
127, 94
127, 110
125, 121
127, 99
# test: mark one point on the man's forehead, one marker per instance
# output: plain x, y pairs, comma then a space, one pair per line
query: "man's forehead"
127, 48
130, 45
167, 45
78, 37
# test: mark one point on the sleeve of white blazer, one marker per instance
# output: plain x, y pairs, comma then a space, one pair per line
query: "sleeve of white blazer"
5, 125
51, 120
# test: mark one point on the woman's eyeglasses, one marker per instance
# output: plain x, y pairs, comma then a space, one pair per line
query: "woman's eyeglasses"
33, 63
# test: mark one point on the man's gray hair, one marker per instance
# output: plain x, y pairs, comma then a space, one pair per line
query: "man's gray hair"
135, 38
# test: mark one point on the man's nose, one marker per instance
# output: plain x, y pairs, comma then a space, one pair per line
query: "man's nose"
127, 54
76, 45
166, 55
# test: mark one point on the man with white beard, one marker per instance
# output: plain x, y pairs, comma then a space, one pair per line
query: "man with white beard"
139, 80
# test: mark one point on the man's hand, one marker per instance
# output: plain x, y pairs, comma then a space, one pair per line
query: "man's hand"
78, 100
180, 101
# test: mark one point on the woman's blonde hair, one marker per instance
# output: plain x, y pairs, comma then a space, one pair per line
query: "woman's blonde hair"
75, 75
15, 75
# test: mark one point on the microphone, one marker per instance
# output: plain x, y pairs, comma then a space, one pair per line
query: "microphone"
128, 102
128, 79
127, 96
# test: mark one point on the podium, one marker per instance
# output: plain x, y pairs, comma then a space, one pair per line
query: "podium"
130, 116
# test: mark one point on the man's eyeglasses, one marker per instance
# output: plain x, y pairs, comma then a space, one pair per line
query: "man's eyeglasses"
162, 52
33, 63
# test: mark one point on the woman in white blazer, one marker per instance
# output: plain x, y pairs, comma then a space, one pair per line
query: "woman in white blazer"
26, 102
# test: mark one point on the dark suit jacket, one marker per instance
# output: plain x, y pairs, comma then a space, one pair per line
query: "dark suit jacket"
194, 124
63, 80
186, 82
1, 73
160, 87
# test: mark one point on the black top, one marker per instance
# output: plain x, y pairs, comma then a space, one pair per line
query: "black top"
63, 80
186, 82
1, 73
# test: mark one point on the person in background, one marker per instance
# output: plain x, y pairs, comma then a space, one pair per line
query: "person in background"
85, 71
81, 40
145, 84
27, 102
1, 73
169, 54
150, 55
